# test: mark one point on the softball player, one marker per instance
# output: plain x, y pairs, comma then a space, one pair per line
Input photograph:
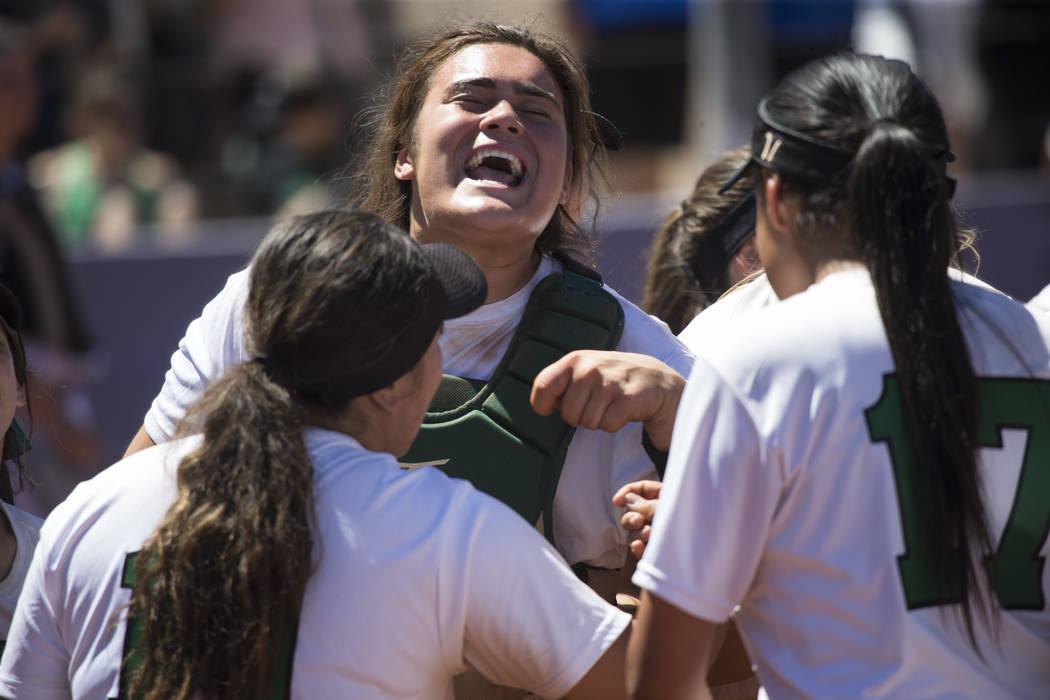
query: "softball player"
862, 467
486, 143
283, 553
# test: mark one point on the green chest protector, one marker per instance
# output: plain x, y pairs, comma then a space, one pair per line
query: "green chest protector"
487, 432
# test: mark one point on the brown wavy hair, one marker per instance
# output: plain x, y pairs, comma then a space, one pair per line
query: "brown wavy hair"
391, 125
672, 292
221, 580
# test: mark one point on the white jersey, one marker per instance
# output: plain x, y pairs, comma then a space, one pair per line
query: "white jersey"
586, 523
750, 296
419, 576
740, 301
26, 527
781, 497
1041, 301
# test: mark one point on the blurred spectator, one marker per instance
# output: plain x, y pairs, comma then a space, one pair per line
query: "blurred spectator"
938, 40
67, 34
66, 446
104, 187
1013, 50
288, 144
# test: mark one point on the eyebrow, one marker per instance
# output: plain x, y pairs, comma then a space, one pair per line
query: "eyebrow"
519, 87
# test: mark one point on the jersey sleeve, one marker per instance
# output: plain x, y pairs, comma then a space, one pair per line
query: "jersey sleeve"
35, 662
717, 504
526, 620
213, 343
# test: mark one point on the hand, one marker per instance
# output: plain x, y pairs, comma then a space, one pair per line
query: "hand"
605, 390
641, 499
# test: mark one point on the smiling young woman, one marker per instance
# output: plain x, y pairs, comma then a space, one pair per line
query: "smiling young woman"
459, 102
486, 141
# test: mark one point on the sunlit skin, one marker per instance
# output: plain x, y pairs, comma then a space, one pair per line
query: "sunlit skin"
502, 97
489, 96
790, 264
388, 419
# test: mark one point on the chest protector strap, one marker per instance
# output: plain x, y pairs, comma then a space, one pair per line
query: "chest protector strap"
487, 432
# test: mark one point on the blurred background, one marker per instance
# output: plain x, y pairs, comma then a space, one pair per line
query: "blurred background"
147, 145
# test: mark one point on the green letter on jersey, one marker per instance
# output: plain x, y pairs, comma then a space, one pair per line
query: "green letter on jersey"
280, 681
1016, 569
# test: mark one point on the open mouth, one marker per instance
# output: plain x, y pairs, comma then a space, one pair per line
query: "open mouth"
494, 165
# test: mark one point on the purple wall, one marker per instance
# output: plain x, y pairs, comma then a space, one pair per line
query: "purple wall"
139, 305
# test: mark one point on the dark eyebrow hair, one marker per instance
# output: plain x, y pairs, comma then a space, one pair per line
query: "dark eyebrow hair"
521, 88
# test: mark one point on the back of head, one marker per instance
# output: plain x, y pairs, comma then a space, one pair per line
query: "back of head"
331, 295
881, 116
316, 276
688, 266
861, 143
393, 124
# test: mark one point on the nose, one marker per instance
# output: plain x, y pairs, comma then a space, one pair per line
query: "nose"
502, 116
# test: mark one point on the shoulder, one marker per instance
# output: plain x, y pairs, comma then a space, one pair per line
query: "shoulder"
648, 335
1041, 301
26, 526
123, 493
816, 341
234, 293
1002, 332
351, 481
736, 305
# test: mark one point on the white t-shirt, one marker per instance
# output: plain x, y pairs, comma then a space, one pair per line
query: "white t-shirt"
1041, 301
738, 302
586, 523
743, 300
26, 527
419, 576
778, 500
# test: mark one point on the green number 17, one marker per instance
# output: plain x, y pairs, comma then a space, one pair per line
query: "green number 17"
1016, 568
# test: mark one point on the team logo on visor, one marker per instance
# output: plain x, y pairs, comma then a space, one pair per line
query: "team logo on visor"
772, 145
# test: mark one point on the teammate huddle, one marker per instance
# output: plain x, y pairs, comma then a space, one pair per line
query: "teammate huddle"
839, 483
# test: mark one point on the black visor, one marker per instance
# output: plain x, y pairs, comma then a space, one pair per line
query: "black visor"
457, 287
790, 152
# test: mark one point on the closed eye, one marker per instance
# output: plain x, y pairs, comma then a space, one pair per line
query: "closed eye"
535, 111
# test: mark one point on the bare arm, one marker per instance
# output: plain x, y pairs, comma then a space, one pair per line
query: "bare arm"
141, 441
605, 679
669, 652
730, 675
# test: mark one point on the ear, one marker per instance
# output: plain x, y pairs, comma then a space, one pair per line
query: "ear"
403, 168
385, 399
20, 397
390, 397
747, 257
777, 209
566, 186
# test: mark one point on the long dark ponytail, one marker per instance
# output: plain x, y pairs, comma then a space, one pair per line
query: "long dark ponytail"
221, 580
895, 202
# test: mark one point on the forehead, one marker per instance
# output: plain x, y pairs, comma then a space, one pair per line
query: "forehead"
502, 63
